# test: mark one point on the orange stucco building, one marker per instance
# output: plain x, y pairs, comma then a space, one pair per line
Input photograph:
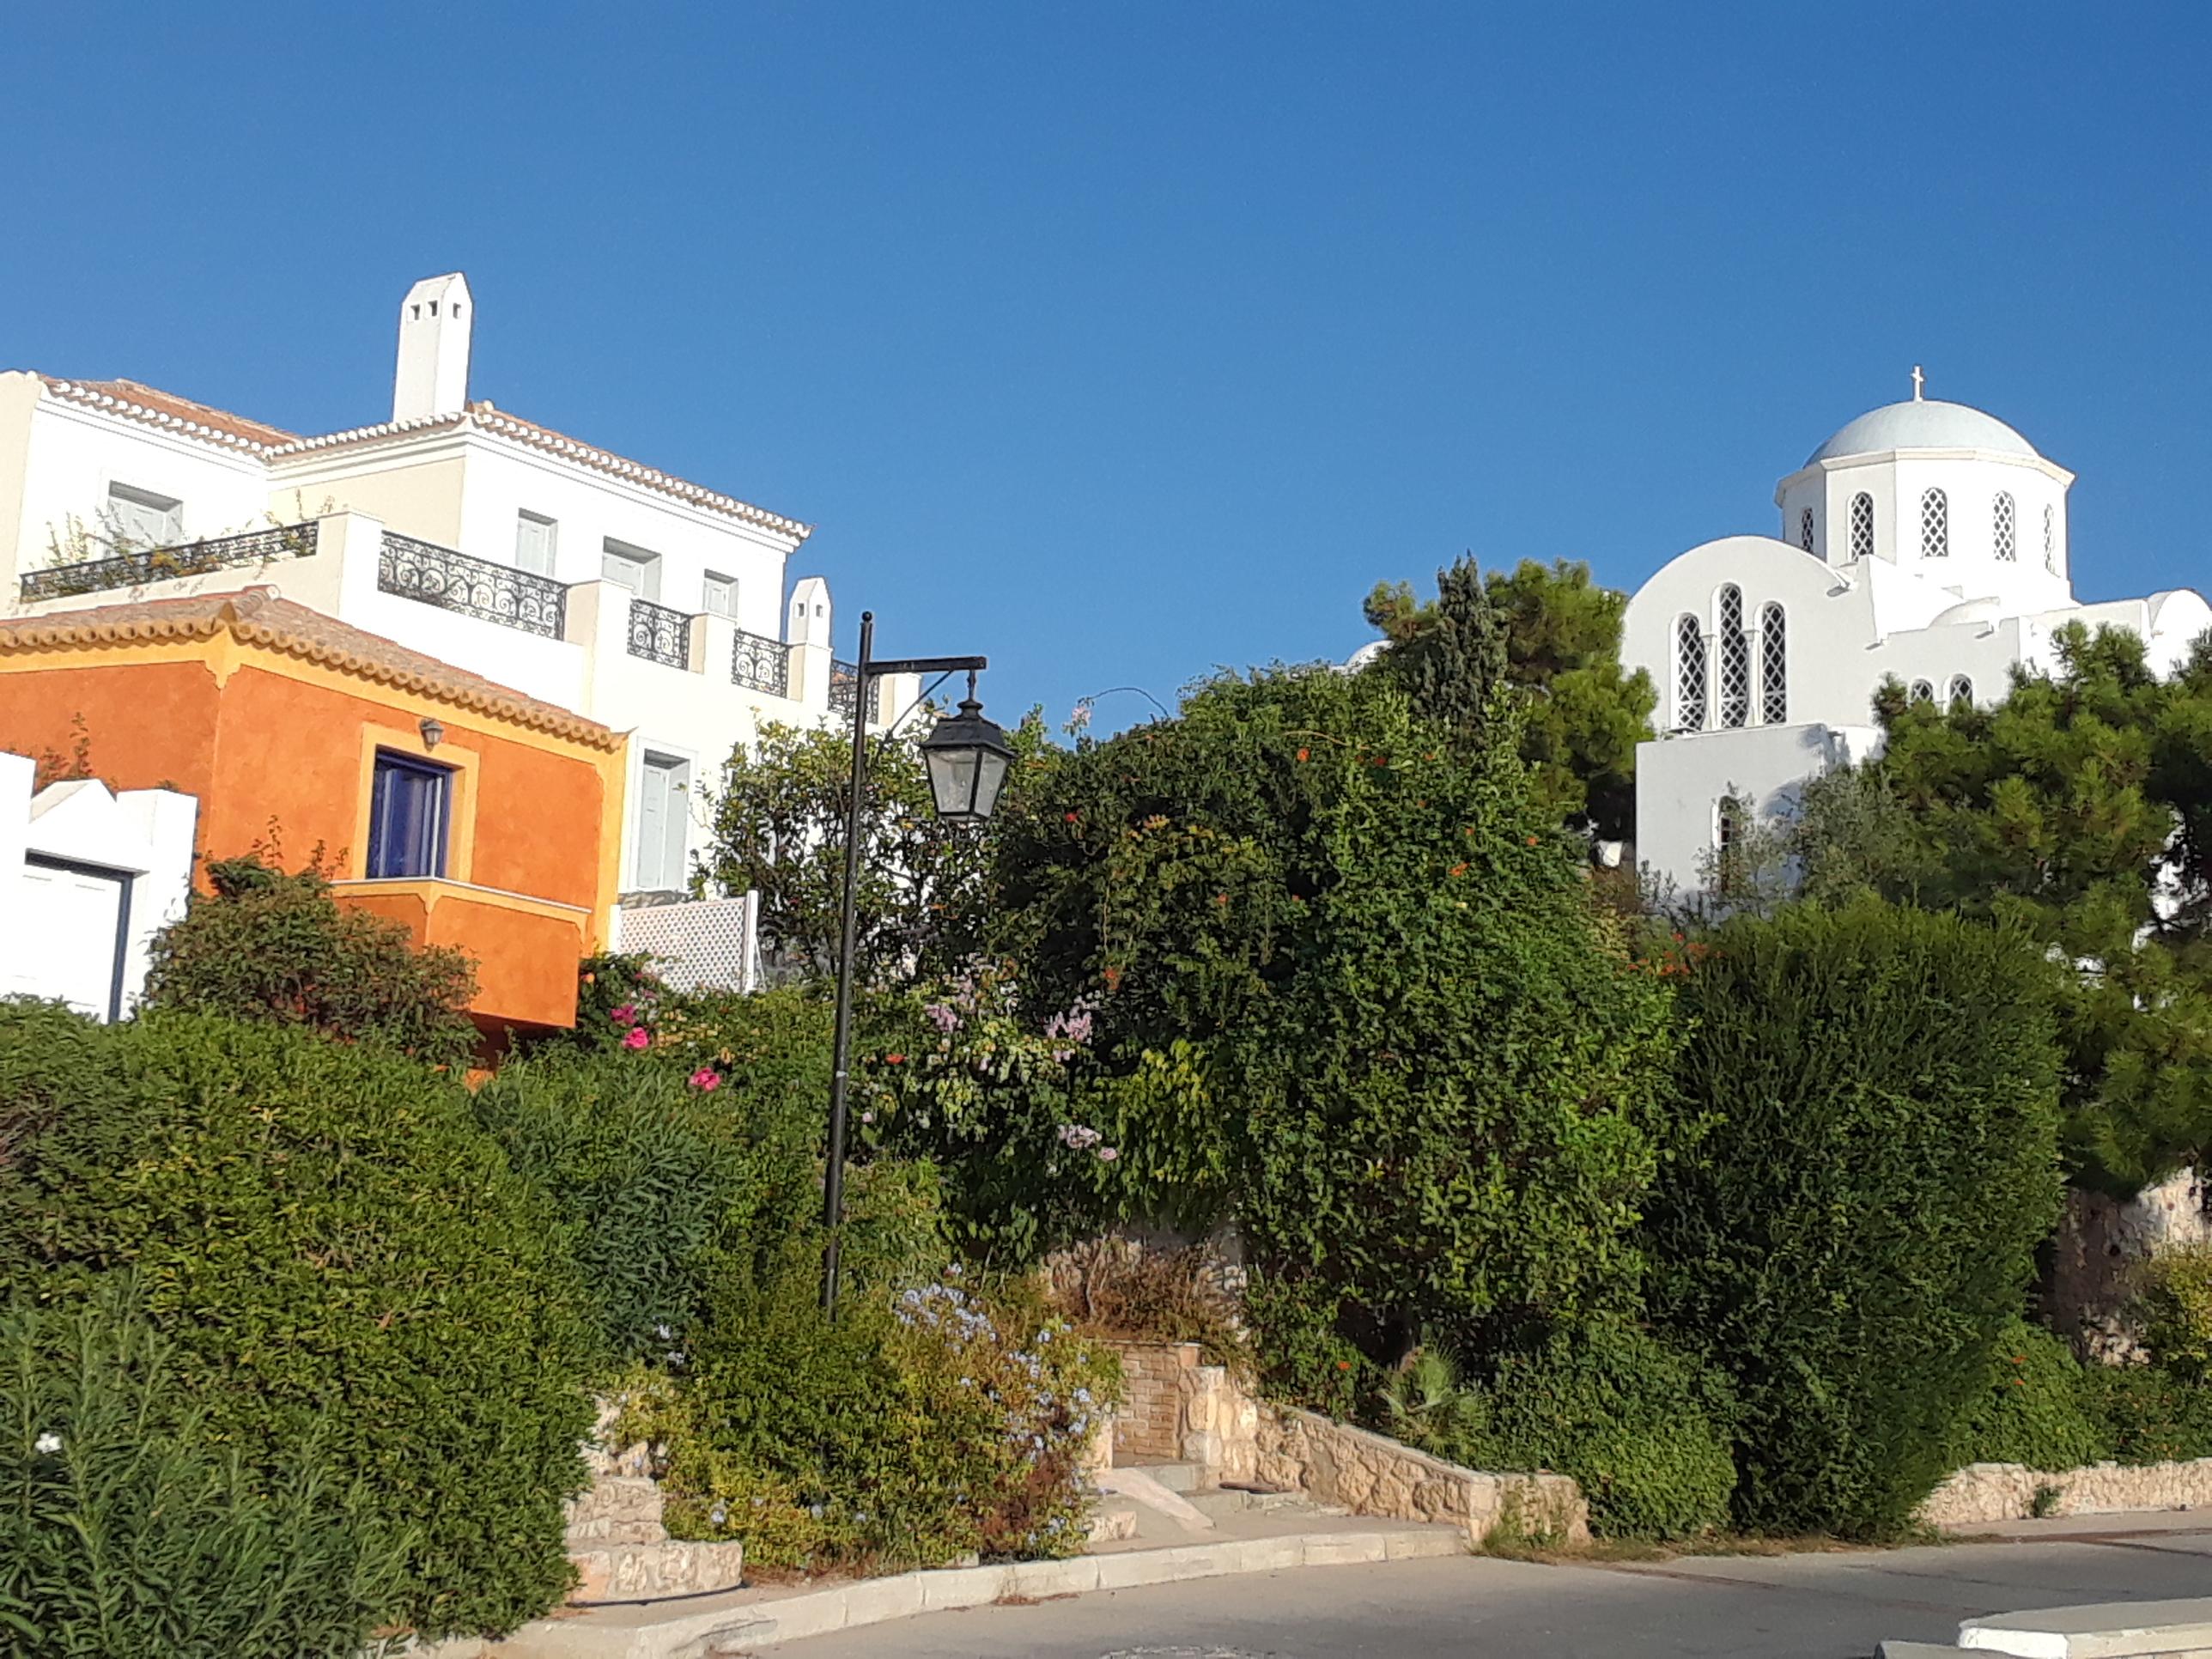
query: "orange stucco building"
480, 817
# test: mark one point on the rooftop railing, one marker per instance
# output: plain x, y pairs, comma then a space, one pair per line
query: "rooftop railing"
161, 564
844, 687
474, 587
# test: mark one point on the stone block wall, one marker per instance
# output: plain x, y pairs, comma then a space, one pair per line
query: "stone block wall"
1155, 1376
615, 1538
1181, 1411
2007, 1492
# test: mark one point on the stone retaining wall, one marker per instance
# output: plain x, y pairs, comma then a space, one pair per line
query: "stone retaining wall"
615, 1539
1183, 1412
2007, 1492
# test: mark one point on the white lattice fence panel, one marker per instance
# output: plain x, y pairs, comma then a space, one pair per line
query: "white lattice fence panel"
705, 943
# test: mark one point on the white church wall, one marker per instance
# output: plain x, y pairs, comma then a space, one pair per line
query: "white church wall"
1681, 781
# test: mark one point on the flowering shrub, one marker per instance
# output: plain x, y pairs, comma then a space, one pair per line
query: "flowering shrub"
966, 1073
916, 1430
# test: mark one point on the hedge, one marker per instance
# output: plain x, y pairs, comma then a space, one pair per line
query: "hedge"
341, 1258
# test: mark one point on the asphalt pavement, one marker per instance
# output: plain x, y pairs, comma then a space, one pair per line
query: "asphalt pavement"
1806, 1606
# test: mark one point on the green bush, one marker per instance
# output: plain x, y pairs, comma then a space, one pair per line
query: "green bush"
340, 1256
665, 1187
1852, 1235
1644, 1428
2041, 1408
910, 1432
2151, 1415
1304, 1358
265, 945
2174, 1305
125, 1528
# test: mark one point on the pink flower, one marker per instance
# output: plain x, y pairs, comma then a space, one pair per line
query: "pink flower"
625, 1015
706, 1077
637, 1037
1108, 1154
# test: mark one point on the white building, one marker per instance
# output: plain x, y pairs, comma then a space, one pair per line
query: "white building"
655, 605
1925, 541
86, 880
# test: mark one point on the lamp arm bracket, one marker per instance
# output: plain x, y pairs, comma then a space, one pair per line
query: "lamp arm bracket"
925, 666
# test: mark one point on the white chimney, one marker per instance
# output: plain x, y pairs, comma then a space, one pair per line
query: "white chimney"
434, 320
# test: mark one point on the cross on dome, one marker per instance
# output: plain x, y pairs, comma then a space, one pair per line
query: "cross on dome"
1916, 378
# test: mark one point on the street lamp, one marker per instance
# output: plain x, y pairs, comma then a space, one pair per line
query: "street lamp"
967, 757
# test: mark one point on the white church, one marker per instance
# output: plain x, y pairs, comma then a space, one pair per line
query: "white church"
1926, 541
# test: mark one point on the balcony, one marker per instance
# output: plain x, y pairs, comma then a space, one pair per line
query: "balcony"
761, 664
474, 587
844, 688
658, 633
160, 564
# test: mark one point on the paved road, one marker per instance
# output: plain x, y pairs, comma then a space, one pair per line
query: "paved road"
1796, 1606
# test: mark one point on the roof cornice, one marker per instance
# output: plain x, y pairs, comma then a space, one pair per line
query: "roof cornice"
66, 630
1889, 457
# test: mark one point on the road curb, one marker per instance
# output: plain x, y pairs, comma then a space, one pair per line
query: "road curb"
714, 1633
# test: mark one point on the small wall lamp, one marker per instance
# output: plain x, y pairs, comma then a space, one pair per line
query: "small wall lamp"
433, 734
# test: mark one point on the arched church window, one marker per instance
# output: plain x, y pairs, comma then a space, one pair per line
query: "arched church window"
1736, 658
1728, 824
1689, 675
1962, 688
1935, 526
1805, 530
2001, 527
1773, 664
2050, 540
1863, 526
1923, 691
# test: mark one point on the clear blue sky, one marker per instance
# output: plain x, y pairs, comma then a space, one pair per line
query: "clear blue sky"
1121, 341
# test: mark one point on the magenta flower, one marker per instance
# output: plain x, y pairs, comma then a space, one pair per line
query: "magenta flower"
706, 1077
637, 1037
625, 1015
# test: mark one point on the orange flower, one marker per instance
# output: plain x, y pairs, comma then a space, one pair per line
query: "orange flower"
1302, 754
1459, 869
1532, 841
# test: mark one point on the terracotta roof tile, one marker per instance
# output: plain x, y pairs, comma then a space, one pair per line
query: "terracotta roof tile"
259, 616
180, 411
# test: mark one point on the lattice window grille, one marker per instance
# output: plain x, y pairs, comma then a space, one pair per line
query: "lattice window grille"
2001, 528
1773, 665
1805, 530
1962, 688
1863, 526
1935, 526
1689, 675
1735, 659
1923, 691
700, 944
2050, 540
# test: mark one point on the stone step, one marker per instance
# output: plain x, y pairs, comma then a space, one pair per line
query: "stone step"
1175, 1477
1111, 1522
646, 1572
1238, 1500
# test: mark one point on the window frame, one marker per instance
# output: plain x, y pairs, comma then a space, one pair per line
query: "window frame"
125, 502
709, 582
1733, 690
1691, 698
675, 836
1774, 664
2005, 528
1934, 524
379, 855
644, 559
1863, 526
523, 518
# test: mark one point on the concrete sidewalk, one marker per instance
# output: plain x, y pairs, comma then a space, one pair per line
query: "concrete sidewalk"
743, 1621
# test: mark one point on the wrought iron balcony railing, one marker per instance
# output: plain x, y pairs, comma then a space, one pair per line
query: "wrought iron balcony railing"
475, 588
658, 633
161, 564
844, 687
761, 663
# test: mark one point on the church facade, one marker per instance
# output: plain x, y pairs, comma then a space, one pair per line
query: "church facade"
1925, 541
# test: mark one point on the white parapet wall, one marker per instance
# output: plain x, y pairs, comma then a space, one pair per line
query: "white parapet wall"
698, 944
88, 877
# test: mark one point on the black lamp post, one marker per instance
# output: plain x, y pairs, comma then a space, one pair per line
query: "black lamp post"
967, 757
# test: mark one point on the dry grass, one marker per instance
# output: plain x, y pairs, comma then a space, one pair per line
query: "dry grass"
1116, 1288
